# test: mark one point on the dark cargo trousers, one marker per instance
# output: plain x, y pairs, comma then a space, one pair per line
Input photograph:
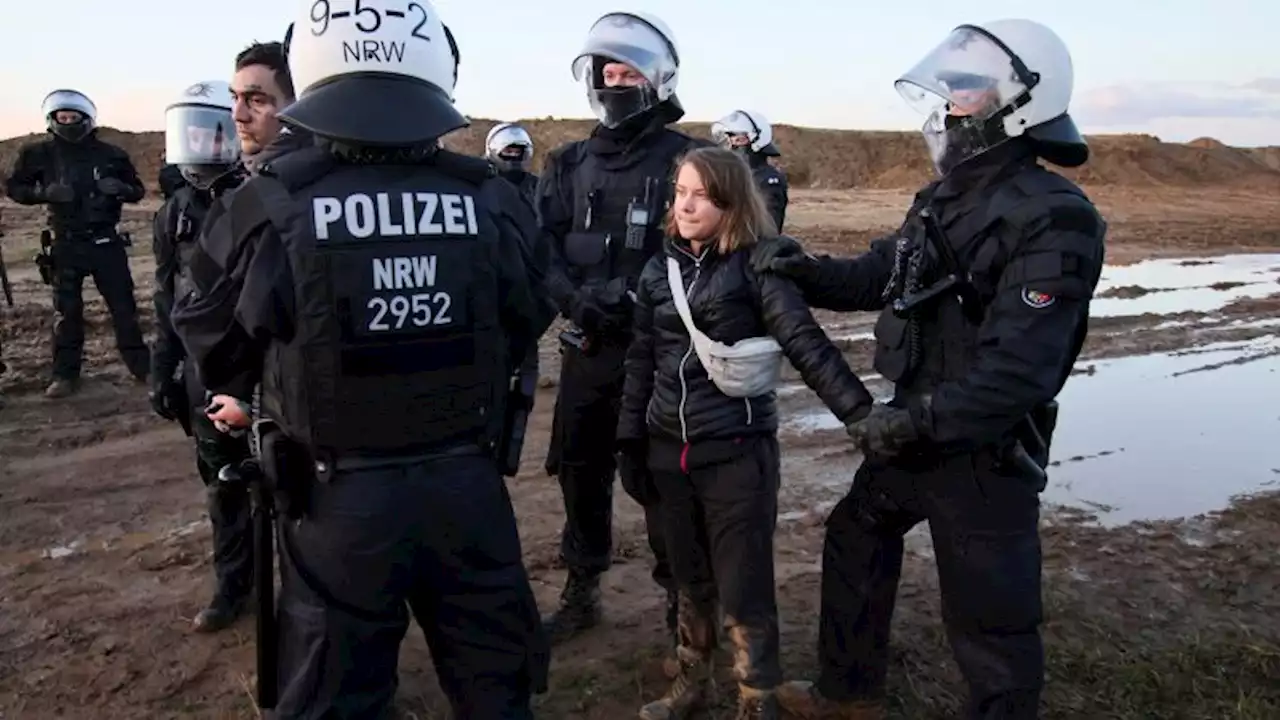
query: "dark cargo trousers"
719, 521
986, 541
583, 435
108, 264
435, 538
230, 511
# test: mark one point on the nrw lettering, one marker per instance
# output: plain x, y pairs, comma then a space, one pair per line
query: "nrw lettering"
400, 215
399, 273
379, 51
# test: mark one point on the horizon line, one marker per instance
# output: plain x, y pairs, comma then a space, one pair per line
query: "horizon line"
682, 121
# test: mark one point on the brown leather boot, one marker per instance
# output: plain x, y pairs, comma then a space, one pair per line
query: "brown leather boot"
691, 689
803, 700
756, 704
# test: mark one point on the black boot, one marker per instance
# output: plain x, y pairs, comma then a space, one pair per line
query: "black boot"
220, 615
579, 608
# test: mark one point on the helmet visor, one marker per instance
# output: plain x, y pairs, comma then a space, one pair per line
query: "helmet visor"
199, 135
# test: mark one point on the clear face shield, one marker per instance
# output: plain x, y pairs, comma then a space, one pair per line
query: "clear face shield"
201, 141
965, 88
617, 94
735, 131
510, 148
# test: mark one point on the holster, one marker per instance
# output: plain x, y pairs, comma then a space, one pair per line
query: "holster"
516, 422
1029, 454
44, 258
288, 468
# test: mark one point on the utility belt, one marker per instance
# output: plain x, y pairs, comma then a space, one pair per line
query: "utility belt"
50, 237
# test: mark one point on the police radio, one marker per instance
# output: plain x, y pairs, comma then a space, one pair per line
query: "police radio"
638, 218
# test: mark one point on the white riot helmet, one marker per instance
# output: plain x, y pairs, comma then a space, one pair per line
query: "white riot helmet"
643, 42
200, 132
752, 126
991, 82
509, 147
381, 75
72, 100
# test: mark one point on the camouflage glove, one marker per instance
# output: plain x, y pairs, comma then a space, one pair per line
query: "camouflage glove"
886, 430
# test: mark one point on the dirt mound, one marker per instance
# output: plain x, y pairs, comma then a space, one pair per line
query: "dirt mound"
818, 158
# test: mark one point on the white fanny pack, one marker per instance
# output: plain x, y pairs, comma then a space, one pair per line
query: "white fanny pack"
747, 368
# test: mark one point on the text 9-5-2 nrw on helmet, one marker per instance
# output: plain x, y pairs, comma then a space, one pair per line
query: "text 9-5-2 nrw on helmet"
381, 75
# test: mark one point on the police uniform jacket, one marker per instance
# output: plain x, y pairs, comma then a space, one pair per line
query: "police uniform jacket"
1030, 245
80, 165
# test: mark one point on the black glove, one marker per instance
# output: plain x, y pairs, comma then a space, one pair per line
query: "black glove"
633, 470
111, 186
59, 193
164, 399
885, 431
784, 256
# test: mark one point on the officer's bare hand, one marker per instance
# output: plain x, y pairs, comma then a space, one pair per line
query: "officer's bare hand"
111, 186
228, 413
59, 193
884, 432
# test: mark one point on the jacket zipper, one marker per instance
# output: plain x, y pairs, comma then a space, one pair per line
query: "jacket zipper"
684, 383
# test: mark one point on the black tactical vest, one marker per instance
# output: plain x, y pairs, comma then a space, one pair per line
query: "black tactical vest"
397, 348
618, 212
919, 350
187, 211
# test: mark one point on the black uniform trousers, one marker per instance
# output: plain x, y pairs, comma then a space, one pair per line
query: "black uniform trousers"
437, 535
984, 523
583, 436
108, 264
719, 521
230, 511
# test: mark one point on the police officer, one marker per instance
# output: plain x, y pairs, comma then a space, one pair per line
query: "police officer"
378, 294
201, 144
600, 204
509, 147
751, 134
984, 301
84, 181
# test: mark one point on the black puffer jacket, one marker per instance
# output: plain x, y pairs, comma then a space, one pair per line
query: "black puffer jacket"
668, 394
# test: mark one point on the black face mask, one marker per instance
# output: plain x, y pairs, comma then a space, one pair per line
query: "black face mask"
72, 132
623, 103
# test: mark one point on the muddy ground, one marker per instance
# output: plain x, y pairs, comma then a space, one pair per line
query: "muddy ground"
104, 550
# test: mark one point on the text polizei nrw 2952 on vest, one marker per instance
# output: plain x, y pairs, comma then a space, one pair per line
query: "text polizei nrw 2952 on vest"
403, 293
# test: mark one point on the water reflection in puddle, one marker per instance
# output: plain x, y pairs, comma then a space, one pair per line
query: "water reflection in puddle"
1185, 284
1169, 435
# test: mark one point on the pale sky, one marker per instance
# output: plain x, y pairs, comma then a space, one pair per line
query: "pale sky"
1179, 69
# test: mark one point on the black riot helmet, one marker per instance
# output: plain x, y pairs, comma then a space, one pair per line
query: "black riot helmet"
378, 78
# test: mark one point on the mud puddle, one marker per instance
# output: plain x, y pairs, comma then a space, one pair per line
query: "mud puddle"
1175, 285
1169, 435
1147, 437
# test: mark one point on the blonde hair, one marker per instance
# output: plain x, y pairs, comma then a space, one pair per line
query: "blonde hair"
730, 186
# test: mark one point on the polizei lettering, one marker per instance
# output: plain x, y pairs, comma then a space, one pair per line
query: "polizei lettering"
389, 215
416, 309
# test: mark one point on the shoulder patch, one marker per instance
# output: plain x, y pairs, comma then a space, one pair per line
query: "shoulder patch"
1036, 299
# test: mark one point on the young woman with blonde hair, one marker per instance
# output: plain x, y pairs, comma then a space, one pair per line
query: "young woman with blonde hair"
699, 420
